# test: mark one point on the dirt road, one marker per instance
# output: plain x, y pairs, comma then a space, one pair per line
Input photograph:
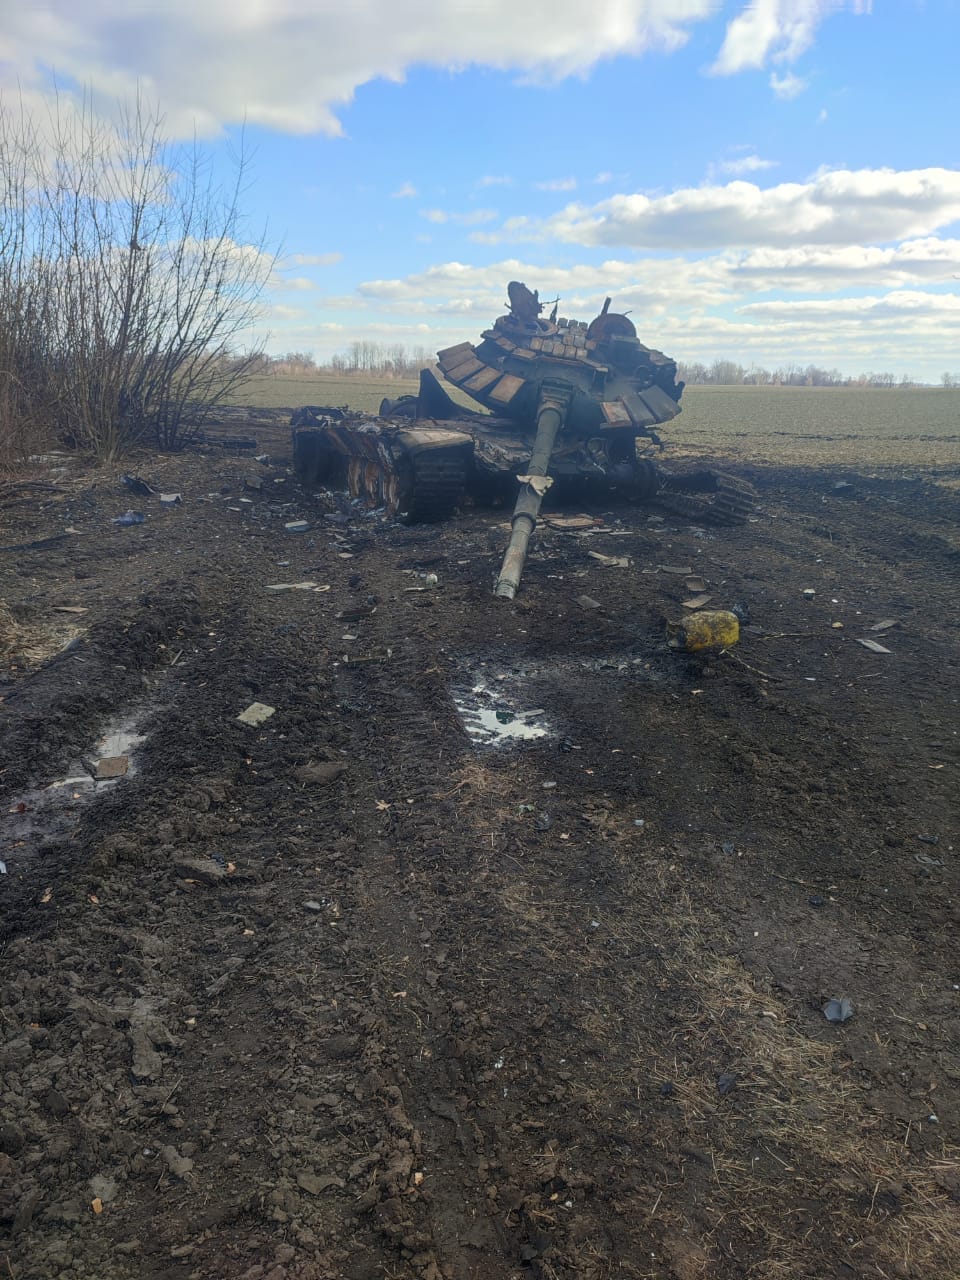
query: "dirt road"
500, 949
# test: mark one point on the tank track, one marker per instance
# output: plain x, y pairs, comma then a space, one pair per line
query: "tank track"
708, 497
434, 488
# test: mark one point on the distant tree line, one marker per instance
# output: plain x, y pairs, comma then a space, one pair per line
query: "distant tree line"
729, 373
394, 360
377, 359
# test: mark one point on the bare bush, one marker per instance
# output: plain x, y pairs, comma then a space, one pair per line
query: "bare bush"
125, 281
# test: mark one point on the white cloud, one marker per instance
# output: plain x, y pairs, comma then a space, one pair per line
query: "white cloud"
473, 218
494, 180
746, 164
788, 85
774, 30
301, 284
837, 207
603, 178
405, 192
291, 67
901, 307
557, 184
311, 259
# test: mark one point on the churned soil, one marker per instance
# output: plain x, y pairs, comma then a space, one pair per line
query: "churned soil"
501, 948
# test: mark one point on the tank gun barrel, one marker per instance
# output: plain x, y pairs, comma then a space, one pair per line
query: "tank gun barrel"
551, 414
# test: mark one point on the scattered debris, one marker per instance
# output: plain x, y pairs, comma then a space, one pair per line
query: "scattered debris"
926, 861
816, 900
313, 906
137, 485
256, 713
696, 583
111, 767
838, 1010
679, 570
69, 608
129, 518
697, 602
610, 562
873, 646
297, 526
572, 524
707, 629
808, 592
296, 586
588, 602
171, 499
726, 1082
884, 625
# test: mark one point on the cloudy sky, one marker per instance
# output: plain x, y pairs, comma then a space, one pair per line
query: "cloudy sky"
770, 182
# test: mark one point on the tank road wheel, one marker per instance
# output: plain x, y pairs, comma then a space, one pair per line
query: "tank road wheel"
708, 497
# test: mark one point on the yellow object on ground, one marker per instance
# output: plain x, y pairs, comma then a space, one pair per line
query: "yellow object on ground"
706, 629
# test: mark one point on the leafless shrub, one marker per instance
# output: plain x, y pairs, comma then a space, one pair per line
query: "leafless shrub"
125, 282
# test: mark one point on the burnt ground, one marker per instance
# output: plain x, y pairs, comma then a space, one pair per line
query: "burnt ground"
354, 994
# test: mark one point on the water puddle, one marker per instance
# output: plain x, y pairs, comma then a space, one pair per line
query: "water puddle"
52, 811
494, 718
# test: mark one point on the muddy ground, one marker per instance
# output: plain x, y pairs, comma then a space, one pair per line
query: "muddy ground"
369, 991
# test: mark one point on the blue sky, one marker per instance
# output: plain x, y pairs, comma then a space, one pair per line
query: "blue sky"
772, 183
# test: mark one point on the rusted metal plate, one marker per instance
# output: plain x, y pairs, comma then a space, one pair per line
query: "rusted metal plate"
662, 406
642, 414
466, 369
481, 379
506, 388
451, 355
616, 413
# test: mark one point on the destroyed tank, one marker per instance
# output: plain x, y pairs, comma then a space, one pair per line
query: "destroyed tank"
566, 403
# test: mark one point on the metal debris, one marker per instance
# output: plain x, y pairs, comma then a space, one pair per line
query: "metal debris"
838, 1010
873, 646
256, 713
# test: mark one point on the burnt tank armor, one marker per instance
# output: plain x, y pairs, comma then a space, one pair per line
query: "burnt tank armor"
594, 388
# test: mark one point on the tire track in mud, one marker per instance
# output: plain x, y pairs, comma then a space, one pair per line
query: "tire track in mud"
504, 1009
411, 744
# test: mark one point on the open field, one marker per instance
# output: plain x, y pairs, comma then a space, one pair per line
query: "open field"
500, 949
801, 426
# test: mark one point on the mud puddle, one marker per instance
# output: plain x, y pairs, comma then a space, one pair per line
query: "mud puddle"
52, 811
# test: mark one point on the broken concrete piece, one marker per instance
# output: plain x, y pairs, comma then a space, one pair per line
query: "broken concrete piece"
256, 713
296, 526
